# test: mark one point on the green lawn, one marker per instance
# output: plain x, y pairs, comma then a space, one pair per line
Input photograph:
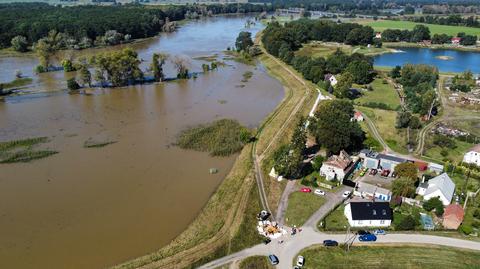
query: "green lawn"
316, 49
382, 93
381, 25
335, 221
455, 154
301, 206
399, 256
384, 120
255, 262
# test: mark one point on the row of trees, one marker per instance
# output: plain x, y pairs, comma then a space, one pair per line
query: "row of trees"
456, 19
121, 68
422, 32
464, 82
84, 24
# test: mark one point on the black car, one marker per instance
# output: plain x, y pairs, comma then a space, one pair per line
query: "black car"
266, 241
362, 232
330, 243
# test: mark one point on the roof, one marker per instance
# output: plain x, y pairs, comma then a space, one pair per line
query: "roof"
456, 39
391, 158
341, 160
454, 210
369, 188
443, 183
358, 114
369, 153
371, 211
475, 148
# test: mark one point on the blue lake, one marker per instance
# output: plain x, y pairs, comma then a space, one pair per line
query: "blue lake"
459, 62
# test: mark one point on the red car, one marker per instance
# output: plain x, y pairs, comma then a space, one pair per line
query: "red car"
306, 190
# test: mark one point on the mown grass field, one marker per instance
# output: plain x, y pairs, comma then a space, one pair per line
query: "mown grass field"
456, 154
381, 25
384, 256
320, 49
301, 206
334, 221
382, 92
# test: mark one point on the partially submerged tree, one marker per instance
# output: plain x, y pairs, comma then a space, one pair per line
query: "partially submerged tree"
158, 60
244, 41
181, 64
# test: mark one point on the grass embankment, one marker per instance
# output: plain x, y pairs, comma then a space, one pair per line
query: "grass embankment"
324, 49
23, 150
18, 82
381, 25
384, 256
298, 101
220, 138
301, 206
256, 262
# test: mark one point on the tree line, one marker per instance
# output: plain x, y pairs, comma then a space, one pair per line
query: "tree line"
455, 20
421, 32
81, 26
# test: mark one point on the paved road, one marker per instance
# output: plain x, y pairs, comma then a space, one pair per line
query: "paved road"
283, 204
292, 245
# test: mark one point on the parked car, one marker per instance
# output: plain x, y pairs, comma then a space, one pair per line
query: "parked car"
385, 173
319, 192
367, 238
273, 259
379, 232
300, 261
306, 190
362, 232
330, 243
373, 172
266, 241
346, 194
394, 174
296, 267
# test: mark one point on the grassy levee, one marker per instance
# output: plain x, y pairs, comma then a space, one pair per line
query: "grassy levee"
225, 224
256, 262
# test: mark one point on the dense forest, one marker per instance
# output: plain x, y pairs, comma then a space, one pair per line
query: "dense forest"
82, 25
456, 20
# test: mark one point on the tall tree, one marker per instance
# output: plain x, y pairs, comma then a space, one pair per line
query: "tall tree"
403, 187
407, 170
342, 89
244, 40
158, 60
333, 128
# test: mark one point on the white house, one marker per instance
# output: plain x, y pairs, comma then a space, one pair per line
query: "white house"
378, 35
368, 214
372, 192
336, 167
331, 78
473, 155
440, 186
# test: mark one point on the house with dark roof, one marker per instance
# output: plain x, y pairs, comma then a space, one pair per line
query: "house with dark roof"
368, 214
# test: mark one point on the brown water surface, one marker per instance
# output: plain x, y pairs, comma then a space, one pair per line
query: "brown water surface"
95, 207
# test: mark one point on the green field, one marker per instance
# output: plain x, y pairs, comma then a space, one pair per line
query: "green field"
255, 262
399, 256
385, 120
334, 221
381, 25
455, 154
301, 206
319, 49
382, 92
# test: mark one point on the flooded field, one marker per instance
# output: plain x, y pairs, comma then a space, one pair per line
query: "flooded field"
95, 207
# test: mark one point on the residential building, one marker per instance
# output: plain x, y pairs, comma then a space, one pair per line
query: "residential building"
378, 35
440, 186
357, 116
473, 155
368, 214
375, 160
456, 40
332, 79
372, 192
337, 166
453, 216
435, 167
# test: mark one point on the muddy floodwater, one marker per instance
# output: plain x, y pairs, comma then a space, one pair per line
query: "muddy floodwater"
96, 207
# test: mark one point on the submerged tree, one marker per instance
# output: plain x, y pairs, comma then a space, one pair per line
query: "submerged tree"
158, 60
121, 67
181, 64
85, 75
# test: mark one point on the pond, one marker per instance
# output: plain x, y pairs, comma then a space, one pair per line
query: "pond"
446, 60
96, 207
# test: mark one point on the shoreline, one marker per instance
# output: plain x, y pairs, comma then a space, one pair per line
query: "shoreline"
394, 45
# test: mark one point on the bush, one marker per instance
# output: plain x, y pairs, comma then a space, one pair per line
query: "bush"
317, 162
432, 203
407, 223
72, 84
19, 43
40, 69
476, 224
377, 105
466, 229
476, 213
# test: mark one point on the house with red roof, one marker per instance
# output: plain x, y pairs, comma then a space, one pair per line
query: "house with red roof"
456, 40
453, 216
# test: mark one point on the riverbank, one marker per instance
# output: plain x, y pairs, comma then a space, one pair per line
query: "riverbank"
433, 46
